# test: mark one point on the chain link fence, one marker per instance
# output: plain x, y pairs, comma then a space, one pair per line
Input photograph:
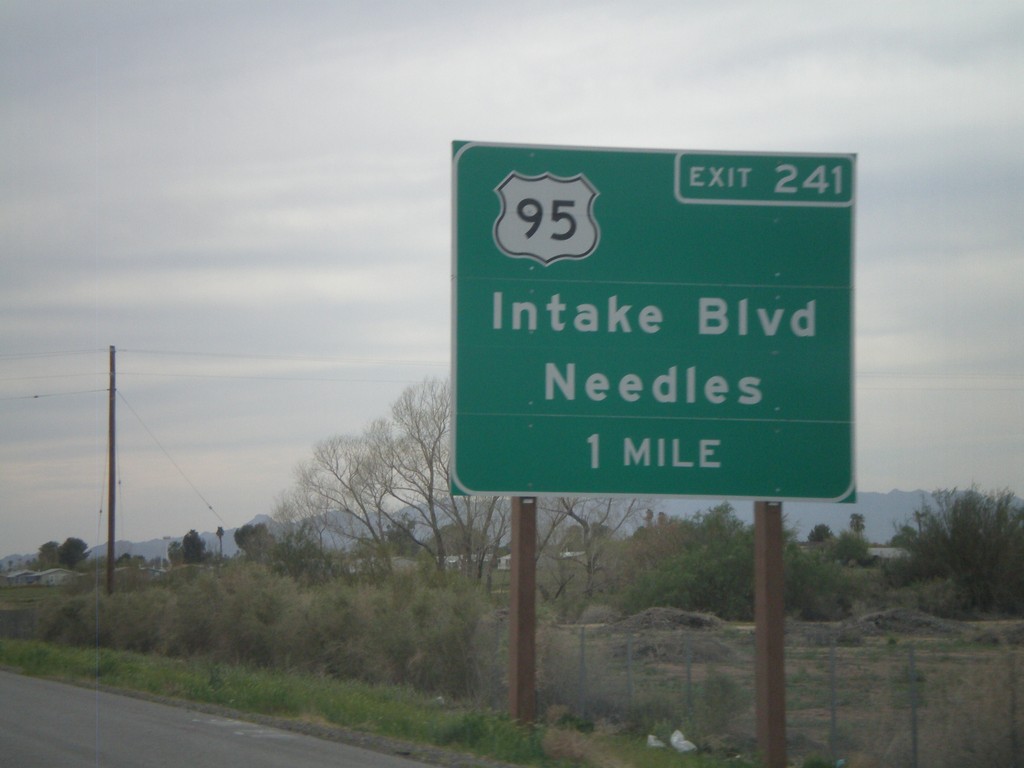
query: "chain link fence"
893, 689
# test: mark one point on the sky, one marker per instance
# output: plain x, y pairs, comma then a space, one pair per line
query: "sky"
252, 202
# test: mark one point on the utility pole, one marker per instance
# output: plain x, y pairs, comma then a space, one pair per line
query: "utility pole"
111, 478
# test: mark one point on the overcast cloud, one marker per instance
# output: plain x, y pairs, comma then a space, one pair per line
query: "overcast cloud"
251, 200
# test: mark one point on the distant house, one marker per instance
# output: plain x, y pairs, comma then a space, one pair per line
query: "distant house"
886, 553
20, 578
56, 576
403, 564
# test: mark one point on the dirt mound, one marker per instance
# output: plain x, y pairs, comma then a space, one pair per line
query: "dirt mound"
905, 621
666, 619
815, 634
676, 649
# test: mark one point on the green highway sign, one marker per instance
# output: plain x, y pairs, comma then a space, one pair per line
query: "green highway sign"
651, 322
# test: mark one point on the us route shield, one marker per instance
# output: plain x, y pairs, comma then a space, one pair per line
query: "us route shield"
546, 217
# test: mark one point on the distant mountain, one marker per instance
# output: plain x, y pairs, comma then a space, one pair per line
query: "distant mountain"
150, 549
158, 547
15, 562
883, 512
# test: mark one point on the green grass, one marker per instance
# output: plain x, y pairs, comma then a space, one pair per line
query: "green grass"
32, 596
384, 711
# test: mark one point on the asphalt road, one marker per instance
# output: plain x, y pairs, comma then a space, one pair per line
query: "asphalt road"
44, 724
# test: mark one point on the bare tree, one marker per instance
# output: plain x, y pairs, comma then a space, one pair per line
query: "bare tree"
394, 478
482, 526
580, 531
469, 530
297, 508
341, 493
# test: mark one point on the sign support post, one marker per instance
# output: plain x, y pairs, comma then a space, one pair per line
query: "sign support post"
769, 634
522, 611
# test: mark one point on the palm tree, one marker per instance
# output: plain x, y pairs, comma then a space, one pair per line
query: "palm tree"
857, 523
220, 540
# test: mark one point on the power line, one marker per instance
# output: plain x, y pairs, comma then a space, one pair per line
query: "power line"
255, 377
906, 375
290, 358
170, 458
346, 362
954, 382
52, 394
33, 355
867, 380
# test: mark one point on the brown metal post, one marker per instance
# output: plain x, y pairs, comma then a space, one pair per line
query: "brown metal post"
522, 611
769, 620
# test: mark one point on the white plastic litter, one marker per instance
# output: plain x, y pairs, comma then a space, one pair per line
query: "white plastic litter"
680, 742
654, 741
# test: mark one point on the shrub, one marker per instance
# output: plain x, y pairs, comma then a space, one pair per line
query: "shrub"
713, 572
192, 629
850, 548
446, 621
976, 541
820, 533
408, 631
599, 614
330, 639
816, 589
71, 621
558, 676
256, 621
136, 620
720, 700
